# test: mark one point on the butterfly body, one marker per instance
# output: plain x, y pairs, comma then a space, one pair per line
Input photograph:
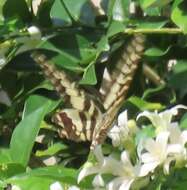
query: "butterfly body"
84, 120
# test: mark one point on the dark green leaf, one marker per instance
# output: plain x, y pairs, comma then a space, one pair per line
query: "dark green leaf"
43, 13
74, 49
16, 8
178, 79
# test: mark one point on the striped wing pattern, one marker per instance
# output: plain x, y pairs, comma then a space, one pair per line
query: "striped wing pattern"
77, 122
84, 121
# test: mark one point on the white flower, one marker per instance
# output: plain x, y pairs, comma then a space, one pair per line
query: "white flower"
73, 188
2, 61
15, 187
35, 32
123, 170
129, 176
177, 144
123, 131
98, 181
56, 186
104, 165
157, 153
162, 120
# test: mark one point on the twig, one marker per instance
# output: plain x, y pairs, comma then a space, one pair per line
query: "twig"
154, 31
152, 75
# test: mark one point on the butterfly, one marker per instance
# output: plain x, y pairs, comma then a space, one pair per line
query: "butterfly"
84, 118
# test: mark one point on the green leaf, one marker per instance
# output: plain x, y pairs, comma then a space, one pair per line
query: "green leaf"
119, 10
179, 14
178, 79
183, 122
154, 3
1, 10
35, 102
32, 180
26, 131
10, 169
81, 11
59, 14
55, 148
156, 52
5, 156
43, 13
144, 105
150, 23
74, 48
89, 76
115, 28
16, 8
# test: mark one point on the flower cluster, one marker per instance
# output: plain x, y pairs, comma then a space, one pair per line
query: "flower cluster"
151, 153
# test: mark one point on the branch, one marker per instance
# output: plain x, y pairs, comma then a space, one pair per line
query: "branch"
154, 31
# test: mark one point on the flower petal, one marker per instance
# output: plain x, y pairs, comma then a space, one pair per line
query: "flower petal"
56, 186
98, 181
122, 119
15, 187
73, 188
87, 171
99, 154
147, 168
166, 165
184, 137
126, 184
147, 158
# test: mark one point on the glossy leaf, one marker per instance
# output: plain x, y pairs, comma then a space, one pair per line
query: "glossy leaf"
179, 16
81, 11
59, 14
48, 175
26, 131
154, 3
154, 51
144, 105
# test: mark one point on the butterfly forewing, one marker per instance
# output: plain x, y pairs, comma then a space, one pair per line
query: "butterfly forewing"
79, 120
119, 82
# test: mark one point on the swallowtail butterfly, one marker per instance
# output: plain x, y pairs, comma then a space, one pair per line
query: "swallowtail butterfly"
84, 120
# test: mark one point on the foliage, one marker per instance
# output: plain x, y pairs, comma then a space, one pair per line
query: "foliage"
81, 41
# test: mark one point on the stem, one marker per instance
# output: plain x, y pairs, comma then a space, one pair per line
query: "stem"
154, 31
152, 75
